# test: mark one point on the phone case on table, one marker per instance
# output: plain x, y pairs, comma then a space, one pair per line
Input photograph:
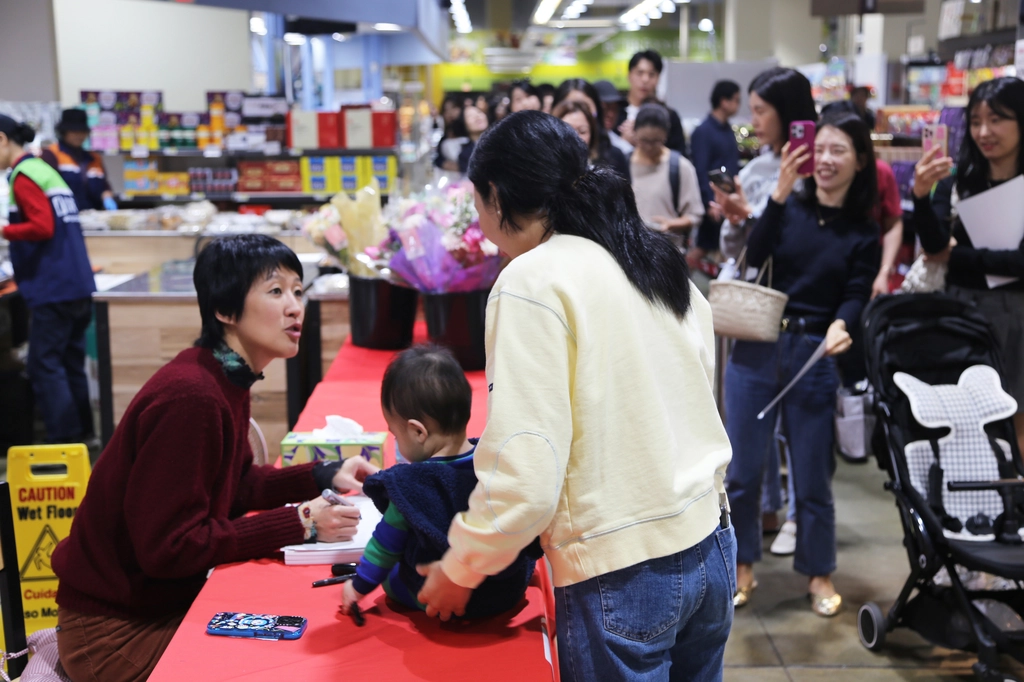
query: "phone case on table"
260, 626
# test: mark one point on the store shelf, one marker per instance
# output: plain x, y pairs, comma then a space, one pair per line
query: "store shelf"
226, 154
126, 201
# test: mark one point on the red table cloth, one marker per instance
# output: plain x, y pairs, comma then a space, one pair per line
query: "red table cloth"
396, 644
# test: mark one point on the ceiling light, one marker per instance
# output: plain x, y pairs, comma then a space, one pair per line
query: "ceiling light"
387, 27
294, 38
340, 37
257, 25
571, 13
545, 10
639, 10
654, 13
632, 26
706, 25
668, 7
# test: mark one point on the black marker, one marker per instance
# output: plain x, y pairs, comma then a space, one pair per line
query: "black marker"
333, 581
357, 615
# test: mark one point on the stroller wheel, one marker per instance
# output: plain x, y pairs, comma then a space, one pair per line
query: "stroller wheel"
871, 626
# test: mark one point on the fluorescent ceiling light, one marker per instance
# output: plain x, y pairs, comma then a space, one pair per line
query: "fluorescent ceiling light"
387, 27
641, 9
340, 37
668, 7
643, 20
632, 26
545, 10
706, 25
257, 25
294, 38
654, 13
583, 23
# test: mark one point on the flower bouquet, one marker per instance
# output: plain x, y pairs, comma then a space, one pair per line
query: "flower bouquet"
446, 257
324, 229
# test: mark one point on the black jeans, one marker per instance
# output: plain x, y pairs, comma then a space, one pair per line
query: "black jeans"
56, 367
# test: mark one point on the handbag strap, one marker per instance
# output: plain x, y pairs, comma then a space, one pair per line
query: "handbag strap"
741, 263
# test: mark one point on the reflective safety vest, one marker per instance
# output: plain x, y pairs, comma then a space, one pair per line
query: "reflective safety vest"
88, 183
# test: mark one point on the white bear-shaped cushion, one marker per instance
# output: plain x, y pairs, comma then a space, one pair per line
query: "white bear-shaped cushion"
965, 453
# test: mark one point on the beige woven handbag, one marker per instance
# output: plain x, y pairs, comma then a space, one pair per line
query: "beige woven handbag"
747, 311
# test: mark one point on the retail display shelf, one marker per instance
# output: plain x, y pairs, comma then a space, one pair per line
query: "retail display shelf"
128, 200
142, 153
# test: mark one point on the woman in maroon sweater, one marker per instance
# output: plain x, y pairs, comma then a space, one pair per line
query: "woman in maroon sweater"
169, 496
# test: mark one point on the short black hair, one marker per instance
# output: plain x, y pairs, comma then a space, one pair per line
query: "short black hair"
653, 115
861, 89
545, 90
650, 55
723, 90
526, 86
225, 271
427, 381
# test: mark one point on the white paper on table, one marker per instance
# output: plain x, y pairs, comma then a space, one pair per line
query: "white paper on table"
994, 220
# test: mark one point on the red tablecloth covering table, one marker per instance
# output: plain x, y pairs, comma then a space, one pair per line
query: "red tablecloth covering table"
396, 644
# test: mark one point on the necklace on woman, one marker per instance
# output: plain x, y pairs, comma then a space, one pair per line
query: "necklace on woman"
822, 220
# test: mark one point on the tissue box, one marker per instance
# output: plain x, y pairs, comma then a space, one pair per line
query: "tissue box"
299, 448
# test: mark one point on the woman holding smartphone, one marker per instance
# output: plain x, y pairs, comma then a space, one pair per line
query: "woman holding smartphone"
989, 156
824, 249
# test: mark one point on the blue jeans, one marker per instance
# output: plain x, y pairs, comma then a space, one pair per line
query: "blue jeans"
755, 374
56, 368
663, 620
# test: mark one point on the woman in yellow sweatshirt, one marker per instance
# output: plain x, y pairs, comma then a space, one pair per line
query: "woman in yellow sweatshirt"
602, 436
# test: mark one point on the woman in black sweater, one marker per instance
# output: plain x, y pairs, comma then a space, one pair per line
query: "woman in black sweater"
989, 156
825, 254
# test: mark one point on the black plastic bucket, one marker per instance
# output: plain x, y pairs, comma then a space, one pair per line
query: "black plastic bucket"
382, 314
457, 321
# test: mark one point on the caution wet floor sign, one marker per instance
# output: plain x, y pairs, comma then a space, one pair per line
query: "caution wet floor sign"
47, 485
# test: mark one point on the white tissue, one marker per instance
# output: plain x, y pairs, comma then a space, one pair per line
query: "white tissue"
338, 428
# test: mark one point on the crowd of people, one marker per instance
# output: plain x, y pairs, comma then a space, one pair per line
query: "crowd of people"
833, 237
597, 340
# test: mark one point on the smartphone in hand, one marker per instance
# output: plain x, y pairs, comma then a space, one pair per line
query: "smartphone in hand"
720, 179
935, 135
801, 134
258, 626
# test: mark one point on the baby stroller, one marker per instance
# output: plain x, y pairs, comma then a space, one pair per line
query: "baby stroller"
945, 435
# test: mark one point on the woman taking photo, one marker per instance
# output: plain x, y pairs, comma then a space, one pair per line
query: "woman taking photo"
169, 498
777, 97
591, 330
989, 156
824, 250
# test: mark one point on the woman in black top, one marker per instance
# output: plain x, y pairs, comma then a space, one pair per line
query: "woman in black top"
990, 155
824, 250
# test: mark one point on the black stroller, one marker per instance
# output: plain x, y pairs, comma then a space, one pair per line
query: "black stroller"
959, 504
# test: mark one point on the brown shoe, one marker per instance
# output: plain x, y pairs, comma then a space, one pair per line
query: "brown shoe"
742, 595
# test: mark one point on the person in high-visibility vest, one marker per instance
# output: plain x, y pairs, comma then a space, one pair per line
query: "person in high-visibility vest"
54, 276
81, 169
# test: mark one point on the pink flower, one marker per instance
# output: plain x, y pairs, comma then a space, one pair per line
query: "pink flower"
373, 252
335, 236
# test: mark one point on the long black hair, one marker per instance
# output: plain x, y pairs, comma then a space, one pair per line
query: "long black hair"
1005, 96
789, 92
584, 86
18, 133
863, 193
538, 166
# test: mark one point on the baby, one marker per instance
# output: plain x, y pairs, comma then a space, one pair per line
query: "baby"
426, 402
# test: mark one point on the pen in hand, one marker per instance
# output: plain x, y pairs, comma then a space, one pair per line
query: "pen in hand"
335, 498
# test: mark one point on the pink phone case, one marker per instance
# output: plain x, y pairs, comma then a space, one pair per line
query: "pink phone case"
801, 134
936, 135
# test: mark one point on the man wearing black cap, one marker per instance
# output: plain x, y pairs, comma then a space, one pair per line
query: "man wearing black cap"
611, 105
81, 169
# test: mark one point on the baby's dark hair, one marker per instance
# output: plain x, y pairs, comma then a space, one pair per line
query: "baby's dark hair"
427, 381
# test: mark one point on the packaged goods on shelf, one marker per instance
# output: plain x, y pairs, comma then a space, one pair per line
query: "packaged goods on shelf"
321, 174
329, 127
213, 180
385, 169
385, 128
358, 127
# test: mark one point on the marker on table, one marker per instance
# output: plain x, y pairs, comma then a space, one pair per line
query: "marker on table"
333, 581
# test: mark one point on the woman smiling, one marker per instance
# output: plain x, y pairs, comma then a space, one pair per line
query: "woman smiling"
170, 495
824, 250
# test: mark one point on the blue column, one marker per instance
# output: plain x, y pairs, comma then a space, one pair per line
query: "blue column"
275, 31
328, 73
373, 67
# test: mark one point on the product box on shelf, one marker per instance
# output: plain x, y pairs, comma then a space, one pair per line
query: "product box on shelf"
300, 448
358, 127
283, 183
303, 129
283, 167
353, 174
176, 184
141, 177
385, 169
329, 130
251, 184
385, 126
321, 174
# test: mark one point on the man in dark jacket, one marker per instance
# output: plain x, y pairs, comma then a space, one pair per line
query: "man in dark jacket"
644, 72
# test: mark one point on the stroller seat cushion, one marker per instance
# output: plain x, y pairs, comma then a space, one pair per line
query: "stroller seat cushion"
965, 453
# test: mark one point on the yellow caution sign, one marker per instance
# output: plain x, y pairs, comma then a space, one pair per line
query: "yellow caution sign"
47, 484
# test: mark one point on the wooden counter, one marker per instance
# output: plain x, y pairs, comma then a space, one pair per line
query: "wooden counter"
124, 252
